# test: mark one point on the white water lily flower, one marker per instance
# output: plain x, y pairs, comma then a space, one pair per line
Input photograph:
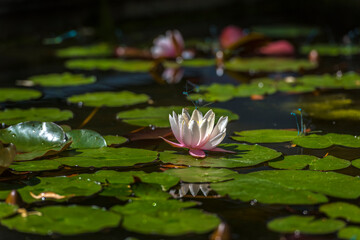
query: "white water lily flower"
198, 133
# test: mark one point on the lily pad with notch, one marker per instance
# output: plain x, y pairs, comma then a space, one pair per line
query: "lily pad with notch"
347, 211
18, 94
85, 138
349, 232
115, 140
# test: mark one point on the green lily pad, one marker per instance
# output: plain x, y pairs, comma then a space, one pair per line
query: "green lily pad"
308, 141
84, 138
331, 49
285, 31
98, 50
245, 156
356, 163
195, 174
115, 140
165, 217
109, 99
37, 165
61, 79
305, 225
7, 209
66, 187
159, 116
113, 177
350, 232
119, 190
35, 139
314, 163
110, 64
109, 157
149, 191
64, 220
196, 62
290, 187
344, 210
268, 64
18, 94
14, 116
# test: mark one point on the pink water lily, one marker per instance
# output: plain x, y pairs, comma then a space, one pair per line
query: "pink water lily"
197, 133
169, 46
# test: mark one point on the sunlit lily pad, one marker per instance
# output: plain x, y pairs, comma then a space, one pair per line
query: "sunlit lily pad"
344, 210
13, 116
109, 99
285, 31
350, 232
18, 94
165, 217
115, 140
314, 163
195, 174
290, 186
356, 163
159, 116
35, 139
61, 79
245, 156
36, 165
331, 49
98, 50
305, 225
197, 62
84, 138
64, 187
7, 209
110, 64
109, 157
308, 141
268, 64
64, 220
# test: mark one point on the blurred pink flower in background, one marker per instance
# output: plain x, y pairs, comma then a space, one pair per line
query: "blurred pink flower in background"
281, 47
230, 35
169, 46
173, 75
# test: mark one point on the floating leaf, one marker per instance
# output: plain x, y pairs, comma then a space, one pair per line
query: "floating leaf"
37, 165
245, 156
284, 31
305, 225
13, 116
109, 157
97, 50
7, 209
356, 163
18, 94
61, 79
65, 220
110, 64
84, 138
197, 62
159, 116
194, 174
331, 49
35, 139
165, 217
268, 64
344, 210
7, 156
109, 99
351, 233
266, 136
314, 163
115, 140
290, 186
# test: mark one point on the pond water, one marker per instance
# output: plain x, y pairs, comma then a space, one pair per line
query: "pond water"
247, 217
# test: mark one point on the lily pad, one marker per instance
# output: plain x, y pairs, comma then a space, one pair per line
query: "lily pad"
159, 116
350, 232
356, 163
84, 138
35, 139
165, 217
115, 140
7, 209
305, 225
109, 157
331, 49
61, 79
194, 174
290, 187
64, 187
109, 99
98, 50
348, 211
245, 156
110, 64
196, 62
18, 94
64, 220
268, 64
314, 163
308, 141
37, 165
285, 31
14, 116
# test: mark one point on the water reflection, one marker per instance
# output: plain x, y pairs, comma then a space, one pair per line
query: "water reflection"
195, 189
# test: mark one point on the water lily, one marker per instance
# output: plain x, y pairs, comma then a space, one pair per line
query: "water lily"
198, 133
230, 35
169, 46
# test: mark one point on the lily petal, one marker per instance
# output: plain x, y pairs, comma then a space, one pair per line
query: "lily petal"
187, 133
175, 128
178, 145
197, 153
196, 116
214, 141
221, 150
